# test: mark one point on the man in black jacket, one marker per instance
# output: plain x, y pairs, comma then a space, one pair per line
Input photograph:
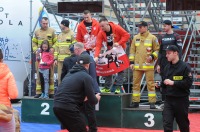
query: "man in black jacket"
68, 62
177, 80
89, 109
75, 88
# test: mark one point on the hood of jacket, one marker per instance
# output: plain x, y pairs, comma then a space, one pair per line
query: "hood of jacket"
4, 70
77, 68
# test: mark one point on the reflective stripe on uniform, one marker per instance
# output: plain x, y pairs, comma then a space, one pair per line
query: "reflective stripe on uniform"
131, 57
136, 94
35, 40
152, 94
148, 44
144, 66
137, 44
62, 57
155, 54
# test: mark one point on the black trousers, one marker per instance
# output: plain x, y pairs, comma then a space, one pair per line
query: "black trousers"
89, 112
176, 108
73, 121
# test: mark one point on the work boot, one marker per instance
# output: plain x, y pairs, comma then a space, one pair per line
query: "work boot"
51, 96
152, 106
37, 95
134, 105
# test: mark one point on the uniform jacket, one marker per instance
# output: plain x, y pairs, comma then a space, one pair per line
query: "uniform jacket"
8, 88
46, 57
144, 45
82, 34
62, 45
180, 73
73, 89
41, 35
120, 35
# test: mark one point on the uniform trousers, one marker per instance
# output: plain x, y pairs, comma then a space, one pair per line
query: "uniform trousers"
176, 108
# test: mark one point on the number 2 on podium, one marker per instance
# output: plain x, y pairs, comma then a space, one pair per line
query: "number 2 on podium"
45, 110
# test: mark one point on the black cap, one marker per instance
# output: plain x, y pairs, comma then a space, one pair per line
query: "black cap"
172, 48
84, 59
65, 23
142, 23
71, 48
168, 22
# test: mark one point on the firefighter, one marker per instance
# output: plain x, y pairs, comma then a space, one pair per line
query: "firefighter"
87, 32
44, 33
143, 52
177, 80
65, 39
170, 38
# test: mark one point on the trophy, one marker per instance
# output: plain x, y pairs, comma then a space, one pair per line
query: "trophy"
40, 55
149, 50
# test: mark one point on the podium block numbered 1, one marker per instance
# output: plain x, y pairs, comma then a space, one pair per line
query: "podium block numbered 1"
38, 111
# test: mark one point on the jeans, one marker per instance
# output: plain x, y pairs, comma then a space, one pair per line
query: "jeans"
44, 73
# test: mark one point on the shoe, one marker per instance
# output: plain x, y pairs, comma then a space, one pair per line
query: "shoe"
42, 96
105, 90
51, 96
134, 105
37, 95
45, 96
117, 90
152, 106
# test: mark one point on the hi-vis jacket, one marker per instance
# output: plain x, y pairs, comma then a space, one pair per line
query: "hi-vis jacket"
62, 45
144, 45
41, 35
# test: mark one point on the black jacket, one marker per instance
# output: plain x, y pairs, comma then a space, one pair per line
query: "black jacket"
180, 73
68, 63
76, 85
93, 74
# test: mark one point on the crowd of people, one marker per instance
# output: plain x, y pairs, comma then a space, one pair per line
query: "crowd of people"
75, 59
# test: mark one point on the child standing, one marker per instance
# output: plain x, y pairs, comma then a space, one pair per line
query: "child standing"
45, 60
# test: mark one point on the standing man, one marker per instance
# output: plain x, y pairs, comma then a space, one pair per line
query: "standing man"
44, 33
87, 31
170, 38
143, 52
113, 35
65, 39
177, 80
88, 109
74, 90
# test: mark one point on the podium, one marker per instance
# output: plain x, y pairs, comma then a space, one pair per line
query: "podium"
113, 111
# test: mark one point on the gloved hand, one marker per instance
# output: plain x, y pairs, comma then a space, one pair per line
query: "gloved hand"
43, 63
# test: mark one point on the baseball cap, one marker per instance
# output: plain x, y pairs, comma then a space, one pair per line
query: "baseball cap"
172, 48
65, 23
168, 22
142, 23
84, 59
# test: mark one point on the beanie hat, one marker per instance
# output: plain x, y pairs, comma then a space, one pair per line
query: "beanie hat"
65, 23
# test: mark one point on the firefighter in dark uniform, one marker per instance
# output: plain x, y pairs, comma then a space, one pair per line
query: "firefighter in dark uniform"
177, 80
170, 38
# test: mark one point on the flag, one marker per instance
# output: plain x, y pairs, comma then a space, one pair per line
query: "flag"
112, 61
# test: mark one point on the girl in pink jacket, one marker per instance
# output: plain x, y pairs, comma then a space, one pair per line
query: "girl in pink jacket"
45, 60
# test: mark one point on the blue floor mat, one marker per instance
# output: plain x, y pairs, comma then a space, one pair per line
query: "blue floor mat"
37, 127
